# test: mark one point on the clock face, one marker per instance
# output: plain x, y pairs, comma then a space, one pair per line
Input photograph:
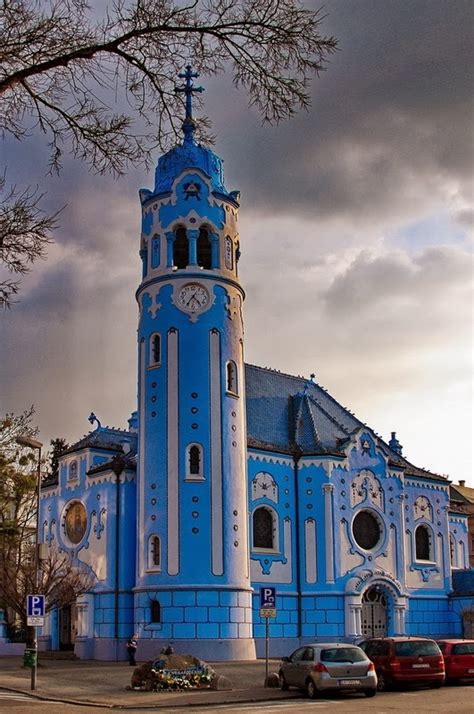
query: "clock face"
193, 297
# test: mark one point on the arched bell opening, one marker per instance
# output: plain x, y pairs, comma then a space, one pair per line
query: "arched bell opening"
204, 250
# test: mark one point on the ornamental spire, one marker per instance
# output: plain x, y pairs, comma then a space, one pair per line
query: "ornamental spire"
188, 89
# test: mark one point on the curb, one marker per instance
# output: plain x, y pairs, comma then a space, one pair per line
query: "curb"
152, 705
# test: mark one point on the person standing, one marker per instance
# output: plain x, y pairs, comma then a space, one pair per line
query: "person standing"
132, 645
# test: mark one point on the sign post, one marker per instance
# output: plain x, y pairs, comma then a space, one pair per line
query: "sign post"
35, 607
267, 610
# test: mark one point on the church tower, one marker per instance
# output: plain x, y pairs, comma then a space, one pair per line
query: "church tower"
192, 587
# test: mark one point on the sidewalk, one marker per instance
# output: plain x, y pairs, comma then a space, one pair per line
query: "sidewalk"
103, 684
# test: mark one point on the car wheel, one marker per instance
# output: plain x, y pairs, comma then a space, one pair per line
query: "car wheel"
370, 692
311, 689
382, 684
282, 681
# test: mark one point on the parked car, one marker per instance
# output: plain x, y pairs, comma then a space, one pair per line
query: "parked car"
458, 659
405, 660
328, 666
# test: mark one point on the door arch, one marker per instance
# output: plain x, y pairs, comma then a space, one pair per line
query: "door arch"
374, 612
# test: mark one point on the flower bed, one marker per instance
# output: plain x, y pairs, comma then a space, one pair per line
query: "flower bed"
172, 672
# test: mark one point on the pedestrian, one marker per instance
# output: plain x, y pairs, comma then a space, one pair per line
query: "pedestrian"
132, 645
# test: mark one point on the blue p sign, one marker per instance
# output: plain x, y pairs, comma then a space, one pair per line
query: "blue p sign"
35, 605
267, 597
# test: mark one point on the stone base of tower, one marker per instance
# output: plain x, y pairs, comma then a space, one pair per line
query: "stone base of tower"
208, 650
213, 624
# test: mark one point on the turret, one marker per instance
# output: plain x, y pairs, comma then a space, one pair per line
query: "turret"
192, 499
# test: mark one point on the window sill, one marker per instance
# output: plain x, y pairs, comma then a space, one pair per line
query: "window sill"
156, 569
154, 366
194, 479
265, 551
234, 395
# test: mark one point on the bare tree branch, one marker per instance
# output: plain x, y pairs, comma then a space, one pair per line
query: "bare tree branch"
62, 69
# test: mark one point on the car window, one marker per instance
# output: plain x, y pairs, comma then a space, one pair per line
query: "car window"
343, 654
376, 648
298, 654
465, 648
416, 648
308, 654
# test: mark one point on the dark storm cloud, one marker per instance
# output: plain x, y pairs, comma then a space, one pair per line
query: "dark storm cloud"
391, 120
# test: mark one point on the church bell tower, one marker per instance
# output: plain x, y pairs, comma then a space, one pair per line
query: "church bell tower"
193, 586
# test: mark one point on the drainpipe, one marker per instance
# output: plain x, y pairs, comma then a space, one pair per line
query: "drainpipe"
118, 465
296, 458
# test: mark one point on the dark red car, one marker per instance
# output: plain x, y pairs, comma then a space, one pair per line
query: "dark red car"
458, 659
405, 660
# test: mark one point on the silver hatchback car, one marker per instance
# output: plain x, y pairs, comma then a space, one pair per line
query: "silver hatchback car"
327, 666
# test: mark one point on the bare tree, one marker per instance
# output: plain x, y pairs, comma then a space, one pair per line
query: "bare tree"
63, 69
62, 578
24, 236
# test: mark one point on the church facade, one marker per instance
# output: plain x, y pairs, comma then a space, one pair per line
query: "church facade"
232, 477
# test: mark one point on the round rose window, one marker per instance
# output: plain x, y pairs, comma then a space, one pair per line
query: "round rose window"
366, 530
75, 522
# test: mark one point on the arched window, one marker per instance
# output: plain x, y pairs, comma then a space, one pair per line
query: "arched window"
154, 553
204, 258
452, 551
194, 465
180, 249
264, 528
73, 471
423, 544
155, 349
155, 608
231, 378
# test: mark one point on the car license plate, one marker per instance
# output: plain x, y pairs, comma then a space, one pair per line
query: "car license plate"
420, 666
348, 682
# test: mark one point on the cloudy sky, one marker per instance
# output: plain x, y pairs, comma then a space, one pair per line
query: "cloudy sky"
356, 236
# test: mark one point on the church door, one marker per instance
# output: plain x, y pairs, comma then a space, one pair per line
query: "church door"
67, 627
374, 613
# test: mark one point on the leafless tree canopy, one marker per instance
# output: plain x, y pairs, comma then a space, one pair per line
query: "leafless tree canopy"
24, 236
61, 578
103, 87
62, 68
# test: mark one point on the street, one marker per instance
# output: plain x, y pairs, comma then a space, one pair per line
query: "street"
455, 700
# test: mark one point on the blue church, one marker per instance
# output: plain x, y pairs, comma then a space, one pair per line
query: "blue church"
231, 477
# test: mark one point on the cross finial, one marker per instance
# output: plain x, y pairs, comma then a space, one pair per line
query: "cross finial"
188, 89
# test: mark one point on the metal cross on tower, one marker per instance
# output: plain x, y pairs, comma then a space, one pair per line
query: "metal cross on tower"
188, 89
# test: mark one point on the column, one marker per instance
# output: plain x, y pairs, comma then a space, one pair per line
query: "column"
214, 238
328, 488
192, 236
169, 248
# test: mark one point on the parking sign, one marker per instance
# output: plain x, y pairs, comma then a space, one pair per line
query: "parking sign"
35, 607
268, 601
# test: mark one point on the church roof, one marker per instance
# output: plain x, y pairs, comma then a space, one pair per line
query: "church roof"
295, 415
104, 437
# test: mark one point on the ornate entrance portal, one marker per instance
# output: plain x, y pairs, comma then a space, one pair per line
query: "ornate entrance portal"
374, 613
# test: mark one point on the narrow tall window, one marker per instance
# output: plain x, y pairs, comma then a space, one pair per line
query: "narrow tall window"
452, 551
155, 611
204, 249
423, 549
155, 349
229, 253
73, 471
155, 551
194, 462
180, 249
232, 385
263, 529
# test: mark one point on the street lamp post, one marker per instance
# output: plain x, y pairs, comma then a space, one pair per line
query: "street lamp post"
34, 444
